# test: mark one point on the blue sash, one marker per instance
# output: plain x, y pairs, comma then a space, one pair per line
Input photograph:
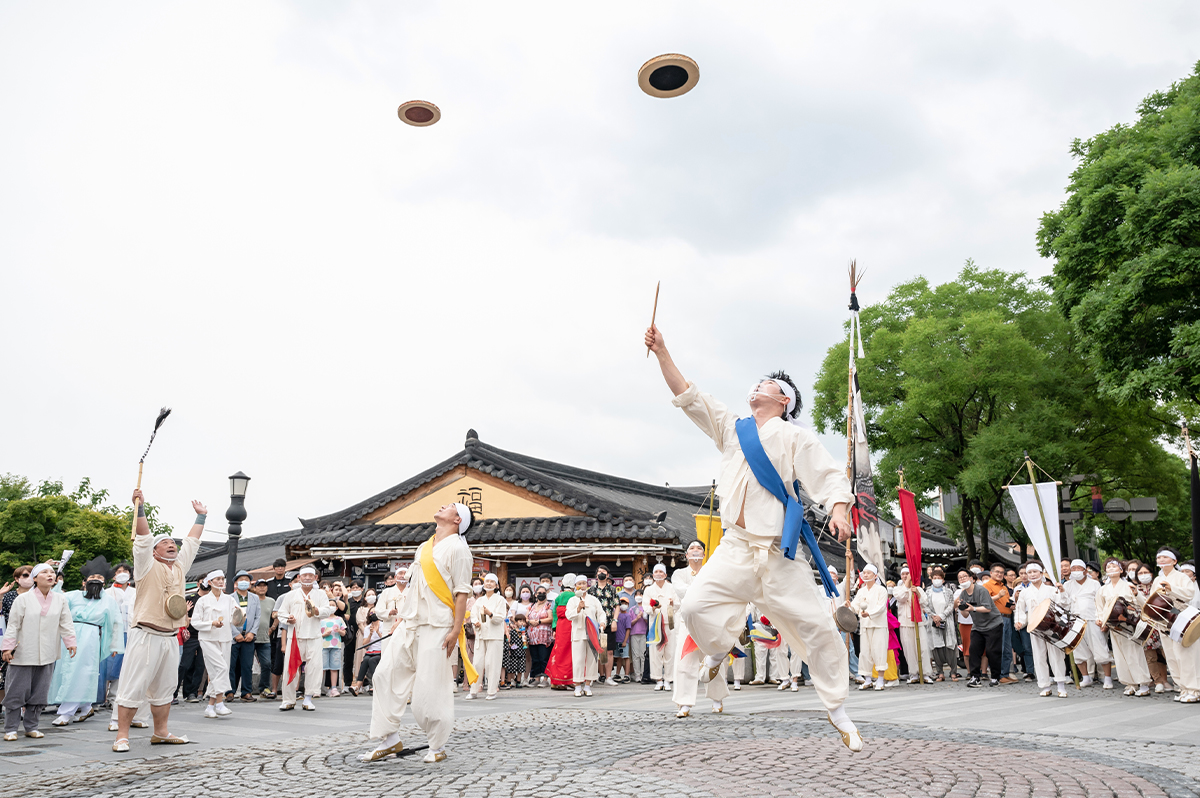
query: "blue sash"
794, 522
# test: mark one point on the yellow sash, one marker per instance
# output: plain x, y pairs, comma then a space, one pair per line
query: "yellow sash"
437, 583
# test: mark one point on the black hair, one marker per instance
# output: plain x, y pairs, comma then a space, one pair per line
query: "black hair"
699, 543
781, 376
546, 576
279, 563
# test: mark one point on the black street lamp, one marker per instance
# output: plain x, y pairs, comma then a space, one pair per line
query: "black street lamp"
235, 515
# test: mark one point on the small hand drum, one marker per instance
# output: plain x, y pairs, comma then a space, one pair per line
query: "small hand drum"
1123, 618
419, 113
176, 606
1165, 614
668, 75
1053, 623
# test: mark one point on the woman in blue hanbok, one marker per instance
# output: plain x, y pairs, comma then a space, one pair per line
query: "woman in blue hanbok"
97, 618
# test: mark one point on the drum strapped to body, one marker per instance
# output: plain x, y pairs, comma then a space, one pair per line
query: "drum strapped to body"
1053, 623
1170, 617
176, 606
1124, 617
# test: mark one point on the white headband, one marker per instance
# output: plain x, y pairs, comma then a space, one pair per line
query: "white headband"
37, 569
1033, 567
871, 567
783, 387
1165, 553
581, 578
159, 539
568, 579
308, 569
464, 517
214, 574
1186, 567
491, 577
660, 567
1078, 563
904, 568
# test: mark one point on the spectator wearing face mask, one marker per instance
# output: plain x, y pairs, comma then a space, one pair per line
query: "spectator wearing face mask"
962, 617
997, 587
606, 594
516, 650
21, 582
262, 638
488, 616
547, 583
626, 591
354, 596
99, 632
123, 592
621, 669
370, 642
638, 654
987, 631
942, 638
241, 656
540, 635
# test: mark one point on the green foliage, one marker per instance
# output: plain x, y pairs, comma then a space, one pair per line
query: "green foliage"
961, 379
39, 523
1127, 248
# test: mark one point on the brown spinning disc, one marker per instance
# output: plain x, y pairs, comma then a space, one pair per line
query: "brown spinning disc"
669, 75
418, 113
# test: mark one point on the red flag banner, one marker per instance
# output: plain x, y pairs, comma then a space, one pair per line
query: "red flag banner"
912, 543
293, 656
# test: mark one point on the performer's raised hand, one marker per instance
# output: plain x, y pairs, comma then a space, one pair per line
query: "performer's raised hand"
138, 497
199, 507
654, 340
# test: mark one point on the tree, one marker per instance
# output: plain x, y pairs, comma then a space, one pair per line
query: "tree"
960, 380
39, 523
1126, 244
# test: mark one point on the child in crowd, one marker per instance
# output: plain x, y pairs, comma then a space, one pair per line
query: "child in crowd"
332, 630
516, 644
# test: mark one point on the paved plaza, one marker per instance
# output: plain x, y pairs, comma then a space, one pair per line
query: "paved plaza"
937, 740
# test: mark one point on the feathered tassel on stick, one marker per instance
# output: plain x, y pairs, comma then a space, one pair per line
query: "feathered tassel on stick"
162, 416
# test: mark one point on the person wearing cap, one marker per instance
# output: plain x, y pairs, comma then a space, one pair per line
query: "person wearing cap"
749, 565
1128, 656
870, 604
1048, 659
151, 668
906, 593
262, 638
300, 614
213, 621
245, 636
97, 619
687, 666
38, 619
582, 607
1081, 592
1181, 661
660, 602
487, 616
416, 663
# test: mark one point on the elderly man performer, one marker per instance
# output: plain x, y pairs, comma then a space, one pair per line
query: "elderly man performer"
750, 565
39, 618
416, 663
300, 612
151, 668
584, 661
1182, 661
660, 602
1049, 662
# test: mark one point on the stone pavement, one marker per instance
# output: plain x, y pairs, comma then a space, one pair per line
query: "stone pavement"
939, 740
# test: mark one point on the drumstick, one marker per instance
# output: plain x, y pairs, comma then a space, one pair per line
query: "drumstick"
654, 315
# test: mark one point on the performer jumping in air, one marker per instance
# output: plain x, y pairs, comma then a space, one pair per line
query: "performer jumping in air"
416, 662
750, 565
150, 671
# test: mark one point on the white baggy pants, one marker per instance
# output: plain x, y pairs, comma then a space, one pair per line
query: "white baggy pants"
874, 643
784, 590
1131, 661
1181, 662
150, 670
687, 675
488, 656
216, 664
777, 657
414, 666
1093, 646
585, 665
314, 675
908, 644
1047, 657
662, 660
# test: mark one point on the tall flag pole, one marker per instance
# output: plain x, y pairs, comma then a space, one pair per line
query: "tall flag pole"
1187, 440
865, 511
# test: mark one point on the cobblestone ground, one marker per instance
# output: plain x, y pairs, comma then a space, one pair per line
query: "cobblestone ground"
553, 752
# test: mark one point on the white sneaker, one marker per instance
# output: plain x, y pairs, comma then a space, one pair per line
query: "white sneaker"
223, 710
578, 691
468, 697
210, 711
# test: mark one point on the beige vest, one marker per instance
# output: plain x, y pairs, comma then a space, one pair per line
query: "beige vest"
157, 581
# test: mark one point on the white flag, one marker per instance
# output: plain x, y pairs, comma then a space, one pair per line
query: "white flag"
1041, 527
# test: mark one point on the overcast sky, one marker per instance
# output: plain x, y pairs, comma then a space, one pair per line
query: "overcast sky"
213, 206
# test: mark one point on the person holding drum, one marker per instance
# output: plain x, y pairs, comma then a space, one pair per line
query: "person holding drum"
1155, 659
1093, 648
1179, 588
1034, 601
1120, 607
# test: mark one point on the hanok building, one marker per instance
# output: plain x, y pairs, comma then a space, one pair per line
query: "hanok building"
534, 517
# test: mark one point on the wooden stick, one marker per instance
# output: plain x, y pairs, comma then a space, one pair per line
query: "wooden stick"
654, 315
136, 504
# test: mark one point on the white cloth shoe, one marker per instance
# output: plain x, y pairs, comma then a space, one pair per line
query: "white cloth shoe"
1108, 683
683, 712
737, 685
1086, 681
587, 690
658, 686
795, 687
210, 711
578, 691
62, 720
223, 710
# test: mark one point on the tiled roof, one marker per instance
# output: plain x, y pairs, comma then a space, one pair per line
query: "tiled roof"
253, 552
492, 530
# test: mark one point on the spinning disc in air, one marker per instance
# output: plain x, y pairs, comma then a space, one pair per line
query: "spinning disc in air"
418, 113
669, 75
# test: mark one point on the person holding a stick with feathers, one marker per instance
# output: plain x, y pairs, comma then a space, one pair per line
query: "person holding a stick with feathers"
150, 671
764, 459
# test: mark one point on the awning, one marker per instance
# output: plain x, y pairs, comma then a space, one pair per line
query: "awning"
267, 571
508, 553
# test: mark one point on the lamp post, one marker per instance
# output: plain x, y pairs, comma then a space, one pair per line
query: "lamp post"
235, 515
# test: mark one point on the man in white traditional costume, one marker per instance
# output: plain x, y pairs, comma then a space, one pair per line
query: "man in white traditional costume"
770, 663
584, 660
687, 665
870, 603
1081, 591
660, 602
150, 672
750, 564
1047, 657
212, 618
387, 605
97, 619
300, 613
487, 616
1182, 661
416, 662
124, 593
905, 594
1129, 657
39, 618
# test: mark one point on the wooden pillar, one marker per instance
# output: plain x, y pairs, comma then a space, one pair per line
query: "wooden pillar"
639, 571
502, 575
